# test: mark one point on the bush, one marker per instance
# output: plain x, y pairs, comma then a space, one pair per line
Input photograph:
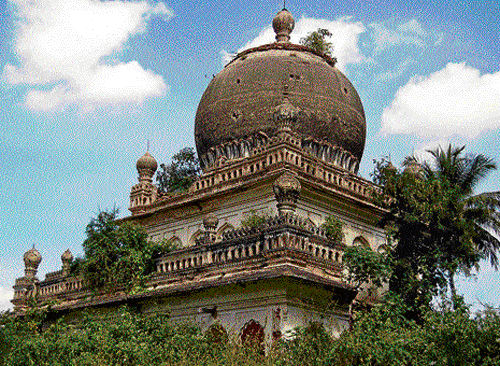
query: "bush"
333, 228
382, 336
255, 219
117, 256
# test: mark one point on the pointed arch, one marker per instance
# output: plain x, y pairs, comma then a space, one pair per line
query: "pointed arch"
360, 240
216, 333
174, 242
197, 235
252, 334
223, 229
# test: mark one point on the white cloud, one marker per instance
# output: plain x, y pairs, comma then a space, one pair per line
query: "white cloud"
5, 296
388, 34
345, 34
456, 100
396, 73
421, 151
68, 52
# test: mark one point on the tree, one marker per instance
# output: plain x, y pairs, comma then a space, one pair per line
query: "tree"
477, 214
116, 255
180, 173
317, 40
435, 224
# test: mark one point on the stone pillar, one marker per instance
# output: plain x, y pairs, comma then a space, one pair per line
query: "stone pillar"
210, 223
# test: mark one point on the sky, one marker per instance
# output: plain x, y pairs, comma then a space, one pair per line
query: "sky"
84, 84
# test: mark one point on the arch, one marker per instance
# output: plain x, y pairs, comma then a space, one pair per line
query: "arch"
382, 249
359, 240
173, 242
197, 235
223, 229
216, 333
252, 334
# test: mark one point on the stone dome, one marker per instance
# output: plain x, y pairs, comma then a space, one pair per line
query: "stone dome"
240, 100
147, 162
32, 258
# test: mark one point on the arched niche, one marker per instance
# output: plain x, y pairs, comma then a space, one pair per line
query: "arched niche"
361, 241
252, 334
216, 333
223, 229
197, 235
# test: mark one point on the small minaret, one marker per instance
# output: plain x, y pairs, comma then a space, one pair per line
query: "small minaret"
66, 259
27, 286
210, 223
145, 192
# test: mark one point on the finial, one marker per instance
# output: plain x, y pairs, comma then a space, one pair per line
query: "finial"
283, 24
32, 259
147, 147
284, 4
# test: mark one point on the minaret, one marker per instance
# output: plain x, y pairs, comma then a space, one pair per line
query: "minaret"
66, 259
27, 286
145, 192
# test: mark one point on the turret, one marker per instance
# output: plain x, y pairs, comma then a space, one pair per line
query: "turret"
145, 192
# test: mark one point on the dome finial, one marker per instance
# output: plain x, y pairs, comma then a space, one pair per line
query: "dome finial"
32, 259
283, 24
146, 167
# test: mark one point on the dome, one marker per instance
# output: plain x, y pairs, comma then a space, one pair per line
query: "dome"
147, 162
240, 101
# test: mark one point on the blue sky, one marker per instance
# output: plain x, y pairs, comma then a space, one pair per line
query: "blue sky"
84, 84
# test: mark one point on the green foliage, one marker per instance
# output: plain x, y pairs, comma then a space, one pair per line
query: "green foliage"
304, 346
386, 336
383, 336
435, 224
333, 228
255, 219
366, 266
317, 40
180, 173
116, 255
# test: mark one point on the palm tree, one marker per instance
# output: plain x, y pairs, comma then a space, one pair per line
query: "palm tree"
474, 219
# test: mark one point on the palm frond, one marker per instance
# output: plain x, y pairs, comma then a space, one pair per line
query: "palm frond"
488, 246
476, 167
